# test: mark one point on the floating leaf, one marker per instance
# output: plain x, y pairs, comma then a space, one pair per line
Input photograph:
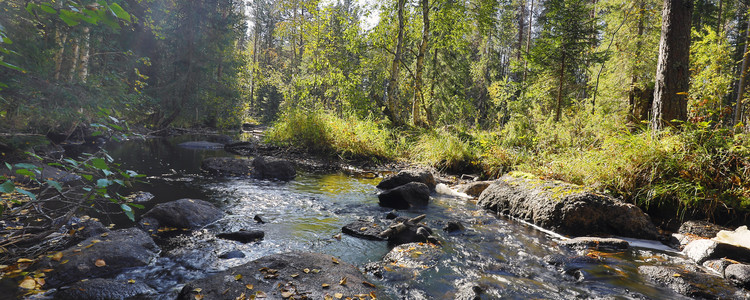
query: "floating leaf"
372, 295
338, 295
368, 284
338, 236
100, 263
58, 256
198, 297
197, 290
238, 277
335, 261
315, 271
325, 285
249, 286
28, 283
286, 294
241, 297
676, 275
342, 281
295, 275
306, 270
327, 297
260, 294
131, 281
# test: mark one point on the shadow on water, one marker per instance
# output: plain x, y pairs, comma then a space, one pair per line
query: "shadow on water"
496, 256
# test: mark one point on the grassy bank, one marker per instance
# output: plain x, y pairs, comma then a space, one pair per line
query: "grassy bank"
698, 172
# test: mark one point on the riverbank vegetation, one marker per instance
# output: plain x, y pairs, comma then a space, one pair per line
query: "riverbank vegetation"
570, 90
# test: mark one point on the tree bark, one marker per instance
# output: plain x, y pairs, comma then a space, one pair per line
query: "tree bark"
521, 21
528, 39
83, 70
393, 82
60, 38
640, 102
418, 93
74, 62
673, 66
743, 79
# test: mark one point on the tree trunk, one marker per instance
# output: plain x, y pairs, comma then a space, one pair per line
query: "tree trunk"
83, 70
640, 102
528, 39
743, 79
74, 62
60, 39
558, 107
253, 67
418, 93
393, 82
521, 21
673, 66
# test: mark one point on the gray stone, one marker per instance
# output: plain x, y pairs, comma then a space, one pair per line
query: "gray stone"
474, 189
232, 254
363, 229
114, 252
453, 226
690, 283
267, 167
227, 166
184, 213
718, 265
702, 250
566, 208
103, 289
283, 275
703, 229
243, 236
596, 243
407, 176
405, 196
738, 274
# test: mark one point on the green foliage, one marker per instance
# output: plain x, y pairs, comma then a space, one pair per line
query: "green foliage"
711, 76
324, 133
445, 150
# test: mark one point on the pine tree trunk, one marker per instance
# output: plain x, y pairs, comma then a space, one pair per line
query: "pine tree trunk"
528, 39
558, 107
521, 21
74, 63
418, 93
393, 109
673, 66
83, 70
743, 80
60, 39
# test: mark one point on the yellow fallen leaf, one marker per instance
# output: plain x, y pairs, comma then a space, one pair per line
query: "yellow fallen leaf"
28, 283
260, 294
335, 261
249, 286
95, 241
24, 260
131, 281
198, 297
286, 294
338, 295
40, 281
418, 253
327, 297
64, 262
100, 263
197, 290
295, 275
306, 270
238, 277
315, 271
372, 295
368, 284
58, 256
104, 234
325, 285
676, 275
362, 228
241, 297
338, 236
342, 281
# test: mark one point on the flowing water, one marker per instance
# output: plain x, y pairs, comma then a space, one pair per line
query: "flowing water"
502, 257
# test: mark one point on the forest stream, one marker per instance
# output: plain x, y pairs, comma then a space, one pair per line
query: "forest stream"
493, 257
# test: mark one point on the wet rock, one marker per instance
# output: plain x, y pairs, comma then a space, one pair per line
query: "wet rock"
407, 176
202, 145
243, 148
405, 196
404, 231
243, 236
100, 256
679, 241
99, 288
405, 262
739, 237
184, 213
703, 229
267, 167
283, 275
363, 229
259, 219
702, 250
391, 215
87, 228
453, 226
566, 208
718, 265
227, 166
469, 292
738, 274
596, 243
474, 189
232, 254
690, 283
49, 150
140, 197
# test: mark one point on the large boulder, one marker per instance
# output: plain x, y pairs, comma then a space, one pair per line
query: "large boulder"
243, 236
405, 196
702, 229
99, 256
227, 166
99, 288
566, 208
703, 250
364, 229
183, 213
407, 176
691, 283
283, 276
267, 167
738, 274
